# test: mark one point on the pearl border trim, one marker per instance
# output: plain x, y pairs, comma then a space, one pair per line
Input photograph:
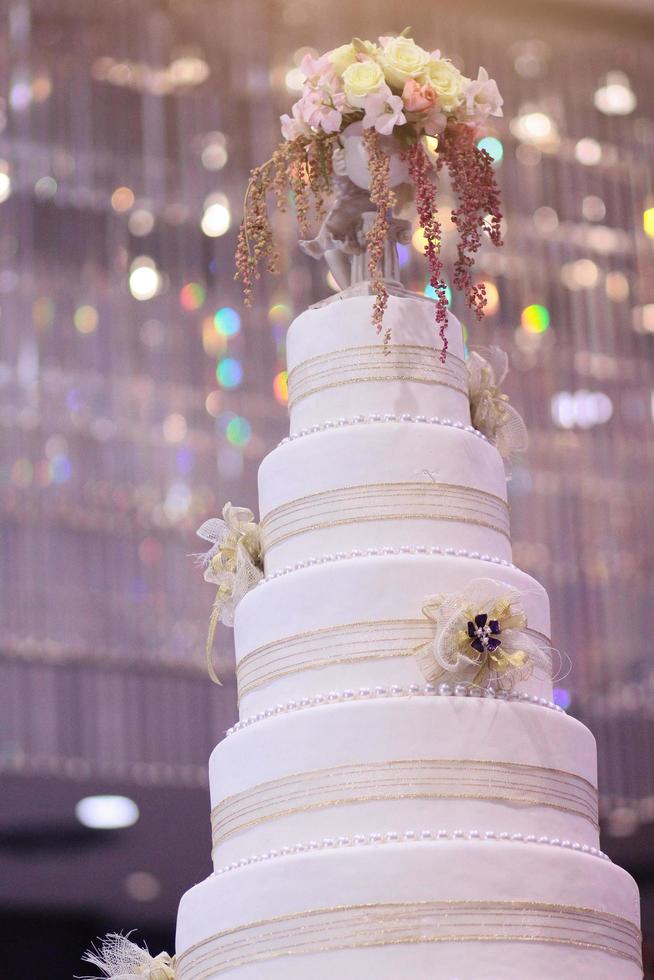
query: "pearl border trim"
420, 550
409, 836
395, 690
366, 419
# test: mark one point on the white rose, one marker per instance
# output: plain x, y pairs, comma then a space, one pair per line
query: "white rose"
360, 79
401, 59
342, 57
448, 81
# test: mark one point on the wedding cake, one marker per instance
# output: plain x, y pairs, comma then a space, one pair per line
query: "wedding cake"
401, 797
367, 822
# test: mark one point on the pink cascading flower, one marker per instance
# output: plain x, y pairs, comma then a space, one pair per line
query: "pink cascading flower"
482, 97
383, 111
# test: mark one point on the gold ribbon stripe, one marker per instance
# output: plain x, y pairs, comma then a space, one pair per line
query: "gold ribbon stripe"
349, 643
384, 502
362, 365
379, 924
412, 779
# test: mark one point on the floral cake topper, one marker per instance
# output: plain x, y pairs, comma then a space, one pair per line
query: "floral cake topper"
404, 97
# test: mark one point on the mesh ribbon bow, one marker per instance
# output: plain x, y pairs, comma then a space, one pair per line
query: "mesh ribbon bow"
119, 958
479, 636
233, 563
490, 410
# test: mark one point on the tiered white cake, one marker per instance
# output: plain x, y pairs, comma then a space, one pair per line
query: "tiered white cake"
365, 823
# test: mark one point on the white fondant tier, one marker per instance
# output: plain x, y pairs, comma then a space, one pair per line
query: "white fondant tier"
394, 483
337, 365
469, 910
355, 623
372, 766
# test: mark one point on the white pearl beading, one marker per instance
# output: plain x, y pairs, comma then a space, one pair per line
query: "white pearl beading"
394, 691
420, 550
410, 836
366, 419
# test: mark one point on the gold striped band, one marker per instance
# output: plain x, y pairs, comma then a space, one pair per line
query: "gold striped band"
384, 924
404, 779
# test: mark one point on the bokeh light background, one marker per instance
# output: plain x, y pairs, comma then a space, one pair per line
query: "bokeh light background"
137, 395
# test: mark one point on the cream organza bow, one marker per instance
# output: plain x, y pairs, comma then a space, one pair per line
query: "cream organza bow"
234, 564
120, 959
479, 637
489, 407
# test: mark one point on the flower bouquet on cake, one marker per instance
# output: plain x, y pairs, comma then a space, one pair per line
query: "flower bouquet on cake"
375, 125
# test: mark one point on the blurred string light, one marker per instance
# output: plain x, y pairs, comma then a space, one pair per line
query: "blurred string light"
534, 126
213, 154
144, 278
43, 312
174, 428
85, 319
294, 80
616, 286
122, 199
213, 403
178, 501
493, 147
492, 297
229, 372
107, 812
581, 274
580, 409
141, 222
643, 318
588, 152
280, 387
238, 431
530, 58
216, 217
227, 321
5, 181
535, 318
45, 188
593, 208
546, 220
214, 343
615, 97
431, 293
648, 221
189, 69
192, 296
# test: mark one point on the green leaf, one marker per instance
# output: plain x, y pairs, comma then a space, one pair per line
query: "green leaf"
405, 32
359, 45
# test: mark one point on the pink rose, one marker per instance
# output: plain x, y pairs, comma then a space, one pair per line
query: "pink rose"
417, 97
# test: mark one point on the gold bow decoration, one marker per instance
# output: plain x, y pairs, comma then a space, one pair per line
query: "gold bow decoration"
118, 958
234, 563
490, 410
479, 637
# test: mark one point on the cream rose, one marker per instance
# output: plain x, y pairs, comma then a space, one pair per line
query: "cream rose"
402, 58
342, 57
360, 79
448, 82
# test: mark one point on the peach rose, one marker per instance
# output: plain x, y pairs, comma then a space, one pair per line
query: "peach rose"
417, 97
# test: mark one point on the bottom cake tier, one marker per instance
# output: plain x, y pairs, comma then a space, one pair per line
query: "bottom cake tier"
450, 909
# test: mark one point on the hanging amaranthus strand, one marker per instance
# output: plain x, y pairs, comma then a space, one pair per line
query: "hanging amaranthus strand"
383, 197
305, 168
424, 174
474, 184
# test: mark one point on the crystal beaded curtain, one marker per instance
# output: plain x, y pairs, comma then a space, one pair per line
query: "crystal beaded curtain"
136, 394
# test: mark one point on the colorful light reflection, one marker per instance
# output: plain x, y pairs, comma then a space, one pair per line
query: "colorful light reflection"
431, 293
192, 296
238, 431
280, 387
229, 372
493, 147
535, 318
227, 322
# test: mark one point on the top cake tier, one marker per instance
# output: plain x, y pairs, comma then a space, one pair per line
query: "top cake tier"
338, 366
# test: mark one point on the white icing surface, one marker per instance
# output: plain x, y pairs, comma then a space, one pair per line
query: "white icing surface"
445, 871
365, 590
347, 324
388, 455
459, 729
